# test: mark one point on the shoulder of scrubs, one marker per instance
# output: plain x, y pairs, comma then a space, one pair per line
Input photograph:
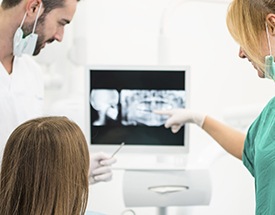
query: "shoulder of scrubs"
260, 135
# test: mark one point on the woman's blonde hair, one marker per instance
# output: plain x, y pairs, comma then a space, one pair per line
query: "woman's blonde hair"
246, 22
45, 169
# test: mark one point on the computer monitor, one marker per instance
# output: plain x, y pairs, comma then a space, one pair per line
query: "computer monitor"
120, 103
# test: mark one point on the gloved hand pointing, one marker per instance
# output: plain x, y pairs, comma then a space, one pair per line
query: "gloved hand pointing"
178, 117
100, 167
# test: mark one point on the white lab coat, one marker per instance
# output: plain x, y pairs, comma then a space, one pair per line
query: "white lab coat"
21, 95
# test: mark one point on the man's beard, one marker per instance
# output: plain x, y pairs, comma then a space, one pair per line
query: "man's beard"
28, 28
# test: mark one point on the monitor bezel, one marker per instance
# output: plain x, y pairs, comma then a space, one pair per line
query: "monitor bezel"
159, 149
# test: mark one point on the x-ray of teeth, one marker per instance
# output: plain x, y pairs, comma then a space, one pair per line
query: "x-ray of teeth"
137, 105
122, 103
105, 102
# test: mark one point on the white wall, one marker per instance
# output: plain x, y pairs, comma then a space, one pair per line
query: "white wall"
127, 32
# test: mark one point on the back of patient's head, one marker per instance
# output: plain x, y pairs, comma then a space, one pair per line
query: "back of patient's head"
45, 169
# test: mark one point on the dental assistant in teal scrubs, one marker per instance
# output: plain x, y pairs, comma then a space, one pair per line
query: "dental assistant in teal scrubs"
252, 24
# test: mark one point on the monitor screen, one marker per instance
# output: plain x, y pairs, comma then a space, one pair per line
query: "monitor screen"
121, 102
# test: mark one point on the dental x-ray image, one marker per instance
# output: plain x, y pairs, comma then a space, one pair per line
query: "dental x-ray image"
121, 105
137, 106
105, 102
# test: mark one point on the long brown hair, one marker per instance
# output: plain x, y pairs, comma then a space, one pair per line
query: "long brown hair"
45, 169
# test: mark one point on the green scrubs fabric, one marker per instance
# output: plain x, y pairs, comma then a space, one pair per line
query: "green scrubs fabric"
259, 158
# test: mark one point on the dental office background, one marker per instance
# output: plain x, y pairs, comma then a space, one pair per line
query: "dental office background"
163, 32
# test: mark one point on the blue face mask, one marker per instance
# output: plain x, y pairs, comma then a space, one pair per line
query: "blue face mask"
25, 45
269, 60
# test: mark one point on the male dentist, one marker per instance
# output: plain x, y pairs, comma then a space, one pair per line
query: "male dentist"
27, 26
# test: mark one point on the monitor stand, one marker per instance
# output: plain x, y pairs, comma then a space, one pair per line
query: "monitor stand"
150, 162
162, 211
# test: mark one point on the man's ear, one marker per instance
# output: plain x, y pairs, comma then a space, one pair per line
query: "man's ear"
270, 20
32, 7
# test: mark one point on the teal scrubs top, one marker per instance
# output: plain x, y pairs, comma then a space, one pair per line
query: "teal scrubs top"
259, 158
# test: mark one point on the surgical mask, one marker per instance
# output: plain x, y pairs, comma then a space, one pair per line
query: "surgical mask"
25, 45
269, 60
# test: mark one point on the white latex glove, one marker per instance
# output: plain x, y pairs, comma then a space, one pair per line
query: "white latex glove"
100, 167
178, 117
